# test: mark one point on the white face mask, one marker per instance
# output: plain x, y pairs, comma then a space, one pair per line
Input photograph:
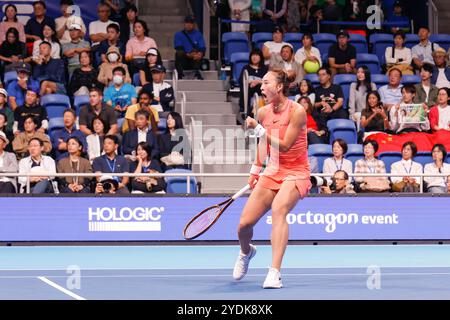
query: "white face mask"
25, 78
113, 57
117, 79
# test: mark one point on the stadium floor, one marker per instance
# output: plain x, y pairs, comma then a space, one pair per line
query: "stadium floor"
204, 272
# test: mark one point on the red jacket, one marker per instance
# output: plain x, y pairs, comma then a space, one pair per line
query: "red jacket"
434, 118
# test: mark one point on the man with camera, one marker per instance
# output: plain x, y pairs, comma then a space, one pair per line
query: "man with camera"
107, 184
340, 184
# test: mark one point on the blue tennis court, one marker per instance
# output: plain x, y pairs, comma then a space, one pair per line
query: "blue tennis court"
204, 272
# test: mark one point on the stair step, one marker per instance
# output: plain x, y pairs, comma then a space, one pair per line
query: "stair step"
223, 168
162, 18
212, 119
166, 11
207, 107
204, 96
215, 185
201, 85
190, 75
169, 63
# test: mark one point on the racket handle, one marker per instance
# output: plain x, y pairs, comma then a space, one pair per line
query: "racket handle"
241, 192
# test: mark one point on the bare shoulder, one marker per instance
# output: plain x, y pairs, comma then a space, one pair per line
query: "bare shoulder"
262, 112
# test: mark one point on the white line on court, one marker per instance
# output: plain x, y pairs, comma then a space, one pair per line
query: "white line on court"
63, 290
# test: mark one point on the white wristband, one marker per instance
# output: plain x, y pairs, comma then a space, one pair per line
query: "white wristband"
260, 131
255, 169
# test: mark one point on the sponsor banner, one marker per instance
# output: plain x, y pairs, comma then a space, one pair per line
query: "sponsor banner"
163, 218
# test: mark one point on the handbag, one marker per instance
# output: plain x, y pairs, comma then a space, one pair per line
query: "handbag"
173, 159
402, 186
375, 184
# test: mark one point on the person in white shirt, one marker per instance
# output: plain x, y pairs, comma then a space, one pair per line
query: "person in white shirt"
440, 114
438, 166
358, 94
273, 48
240, 10
95, 140
49, 36
308, 52
69, 17
441, 72
98, 28
287, 63
8, 163
407, 167
399, 56
422, 52
448, 184
37, 163
337, 162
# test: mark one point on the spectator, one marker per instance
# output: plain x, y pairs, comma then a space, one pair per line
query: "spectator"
256, 71
358, 93
332, 12
399, 17
74, 163
340, 184
374, 118
399, 56
97, 28
391, 94
113, 39
440, 114
95, 139
111, 163
11, 21
96, 108
294, 15
272, 49
35, 26
20, 142
31, 107
426, 92
146, 164
12, 51
152, 59
316, 16
448, 184
61, 137
308, 52
50, 37
74, 48
370, 164
306, 90
240, 10
8, 163
398, 115
137, 47
287, 63
6, 110
127, 25
329, 98
142, 133
190, 48
342, 55
121, 95
145, 99
441, 72
337, 162
36, 162
314, 168
406, 166
18, 88
275, 11
114, 60
50, 72
316, 134
438, 166
174, 146
4, 129
84, 77
69, 17
116, 7
423, 51
162, 92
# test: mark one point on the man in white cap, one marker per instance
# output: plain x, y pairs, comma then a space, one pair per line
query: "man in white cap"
441, 72
72, 49
69, 16
5, 109
8, 163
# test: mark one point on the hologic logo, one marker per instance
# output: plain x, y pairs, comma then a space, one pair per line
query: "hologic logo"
125, 219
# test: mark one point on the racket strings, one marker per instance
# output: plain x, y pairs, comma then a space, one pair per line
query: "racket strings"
202, 222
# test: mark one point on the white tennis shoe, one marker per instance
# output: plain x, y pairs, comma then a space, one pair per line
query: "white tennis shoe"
273, 280
241, 265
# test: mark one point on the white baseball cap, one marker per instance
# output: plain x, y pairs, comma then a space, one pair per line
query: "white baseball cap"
4, 92
75, 26
3, 137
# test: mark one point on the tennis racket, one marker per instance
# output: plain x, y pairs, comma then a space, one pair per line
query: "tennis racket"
205, 219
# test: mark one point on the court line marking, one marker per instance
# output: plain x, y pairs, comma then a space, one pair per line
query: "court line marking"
58, 287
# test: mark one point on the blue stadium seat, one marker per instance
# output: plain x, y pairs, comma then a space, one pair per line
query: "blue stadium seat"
411, 79
321, 152
354, 153
380, 80
344, 129
54, 124
179, 184
80, 101
389, 158
411, 40
323, 41
295, 39
314, 78
259, 38
51, 100
136, 79
238, 60
379, 42
9, 77
234, 42
423, 158
98, 58
370, 60
54, 111
345, 80
324, 57
162, 125
359, 42
442, 39
120, 122
291, 98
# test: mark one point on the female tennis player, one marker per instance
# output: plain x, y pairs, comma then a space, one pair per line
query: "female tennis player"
286, 178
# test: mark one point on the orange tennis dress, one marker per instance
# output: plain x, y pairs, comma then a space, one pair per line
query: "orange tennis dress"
291, 165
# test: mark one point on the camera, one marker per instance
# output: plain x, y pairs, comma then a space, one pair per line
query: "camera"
107, 187
322, 182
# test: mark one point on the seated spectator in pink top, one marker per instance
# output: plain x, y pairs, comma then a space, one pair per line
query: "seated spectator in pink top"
440, 114
138, 46
10, 21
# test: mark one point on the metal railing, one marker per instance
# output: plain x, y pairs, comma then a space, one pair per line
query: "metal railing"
175, 85
183, 106
207, 25
433, 17
245, 90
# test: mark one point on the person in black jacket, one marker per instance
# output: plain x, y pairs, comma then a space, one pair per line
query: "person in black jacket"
85, 77
162, 91
141, 133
